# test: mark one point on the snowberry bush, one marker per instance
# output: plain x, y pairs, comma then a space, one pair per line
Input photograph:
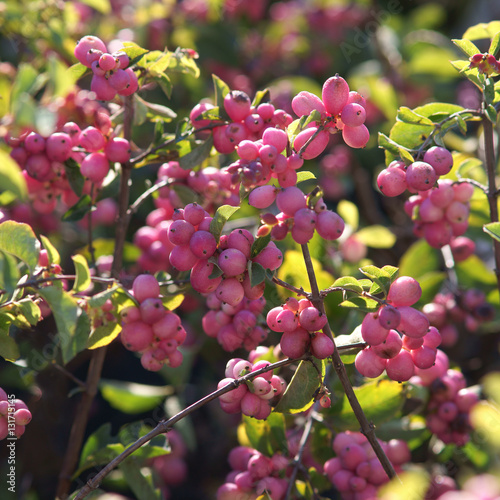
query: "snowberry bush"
155, 259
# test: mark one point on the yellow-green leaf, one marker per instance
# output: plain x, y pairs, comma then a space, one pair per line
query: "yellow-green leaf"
103, 335
11, 178
82, 281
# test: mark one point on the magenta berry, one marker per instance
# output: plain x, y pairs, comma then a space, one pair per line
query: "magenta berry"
335, 94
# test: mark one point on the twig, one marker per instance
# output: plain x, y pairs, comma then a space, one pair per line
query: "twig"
166, 425
288, 286
366, 428
490, 163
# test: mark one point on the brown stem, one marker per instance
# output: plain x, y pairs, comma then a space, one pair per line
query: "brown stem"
490, 162
79, 426
366, 428
166, 425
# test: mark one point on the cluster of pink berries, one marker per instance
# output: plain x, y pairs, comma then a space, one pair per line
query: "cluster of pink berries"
171, 469
262, 160
42, 159
339, 109
477, 487
485, 63
195, 247
252, 398
14, 416
418, 176
295, 215
441, 214
111, 72
355, 471
301, 324
335, 168
400, 337
211, 183
235, 326
450, 401
254, 474
447, 310
150, 328
247, 122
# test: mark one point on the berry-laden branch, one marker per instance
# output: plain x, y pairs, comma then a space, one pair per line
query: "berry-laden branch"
366, 428
96, 364
166, 425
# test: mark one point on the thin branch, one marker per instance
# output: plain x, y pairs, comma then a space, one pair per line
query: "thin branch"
288, 286
366, 428
166, 425
490, 162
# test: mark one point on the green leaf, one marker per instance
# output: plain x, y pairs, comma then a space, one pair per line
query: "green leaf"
348, 283
407, 115
221, 216
300, 392
52, 253
344, 341
79, 210
19, 240
165, 84
495, 45
82, 281
256, 273
493, 230
141, 485
74, 176
491, 113
76, 71
376, 236
363, 304
380, 276
261, 96
419, 259
482, 30
349, 213
11, 178
467, 47
9, 275
103, 335
29, 310
381, 400
267, 436
406, 156
132, 398
473, 272
221, 89
259, 244
489, 91
96, 441
417, 481
8, 347
134, 51
172, 302
102, 6
385, 143
305, 175
73, 325
157, 110
197, 155
99, 299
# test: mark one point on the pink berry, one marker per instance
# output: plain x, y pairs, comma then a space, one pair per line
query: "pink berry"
237, 105
136, 336
305, 102
404, 291
95, 167
86, 44
392, 181
335, 94
440, 159
202, 244
389, 317
103, 90
145, 286
420, 176
356, 137
294, 344
230, 291
262, 196
232, 262
372, 331
353, 115
117, 149
329, 225
322, 346
91, 139
413, 322
401, 367
34, 143
315, 146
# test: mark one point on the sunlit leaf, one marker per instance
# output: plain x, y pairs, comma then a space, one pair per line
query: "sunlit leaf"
19, 240
82, 281
103, 335
299, 394
11, 178
376, 236
349, 213
221, 216
132, 398
267, 436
